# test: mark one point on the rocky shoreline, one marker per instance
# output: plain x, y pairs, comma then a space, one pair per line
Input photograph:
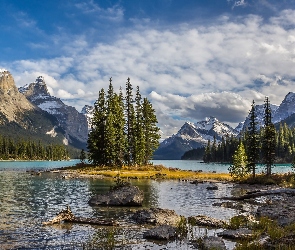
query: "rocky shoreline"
165, 223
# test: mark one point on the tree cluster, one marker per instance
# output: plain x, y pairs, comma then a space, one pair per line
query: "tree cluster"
31, 150
124, 129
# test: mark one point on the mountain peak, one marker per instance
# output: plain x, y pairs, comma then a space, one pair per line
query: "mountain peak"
37, 89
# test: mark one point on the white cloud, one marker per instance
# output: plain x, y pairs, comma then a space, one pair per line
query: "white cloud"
189, 71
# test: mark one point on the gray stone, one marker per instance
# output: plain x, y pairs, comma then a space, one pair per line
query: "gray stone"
203, 220
213, 242
241, 233
163, 232
156, 216
212, 187
123, 196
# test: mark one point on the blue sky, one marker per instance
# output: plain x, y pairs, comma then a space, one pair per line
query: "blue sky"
191, 58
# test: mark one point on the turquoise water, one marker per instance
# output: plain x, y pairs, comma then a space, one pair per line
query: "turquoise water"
27, 200
219, 168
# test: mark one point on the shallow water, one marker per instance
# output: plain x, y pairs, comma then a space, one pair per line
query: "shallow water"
28, 200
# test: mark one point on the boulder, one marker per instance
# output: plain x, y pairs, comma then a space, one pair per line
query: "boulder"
213, 242
203, 220
163, 232
241, 233
156, 216
123, 196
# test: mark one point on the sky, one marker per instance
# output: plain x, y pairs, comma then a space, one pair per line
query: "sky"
191, 58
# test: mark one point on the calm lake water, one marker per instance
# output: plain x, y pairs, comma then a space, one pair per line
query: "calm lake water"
28, 200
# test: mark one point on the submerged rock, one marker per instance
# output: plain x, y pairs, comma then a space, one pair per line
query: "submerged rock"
212, 187
163, 232
203, 220
156, 216
241, 233
213, 242
122, 196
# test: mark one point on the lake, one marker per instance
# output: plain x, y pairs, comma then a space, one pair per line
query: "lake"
28, 200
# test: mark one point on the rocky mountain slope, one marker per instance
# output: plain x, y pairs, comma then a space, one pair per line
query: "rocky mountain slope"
22, 119
193, 135
69, 119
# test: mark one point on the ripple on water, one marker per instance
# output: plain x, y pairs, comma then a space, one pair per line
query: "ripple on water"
27, 201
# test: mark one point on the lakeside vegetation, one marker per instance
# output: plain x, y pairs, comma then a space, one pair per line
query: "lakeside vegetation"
31, 150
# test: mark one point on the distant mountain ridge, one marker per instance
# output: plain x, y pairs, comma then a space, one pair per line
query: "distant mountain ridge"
193, 135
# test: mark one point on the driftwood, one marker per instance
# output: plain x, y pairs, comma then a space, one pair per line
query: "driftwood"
66, 215
259, 193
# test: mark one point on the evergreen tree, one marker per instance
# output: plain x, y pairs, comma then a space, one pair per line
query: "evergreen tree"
82, 156
252, 141
268, 139
239, 168
150, 130
139, 148
130, 124
96, 139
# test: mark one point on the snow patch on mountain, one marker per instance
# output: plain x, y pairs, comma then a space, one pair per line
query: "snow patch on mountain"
88, 111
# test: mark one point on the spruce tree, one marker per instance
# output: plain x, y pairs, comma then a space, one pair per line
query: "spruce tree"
150, 130
239, 168
130, 124
252, 141
96, 139
268, 139
139, 148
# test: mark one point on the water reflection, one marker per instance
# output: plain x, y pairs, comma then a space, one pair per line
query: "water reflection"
26, 201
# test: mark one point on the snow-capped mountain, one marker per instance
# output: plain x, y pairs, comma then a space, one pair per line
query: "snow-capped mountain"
193, 135
70, 120
87, 111
286, 108
21, 118
259, 110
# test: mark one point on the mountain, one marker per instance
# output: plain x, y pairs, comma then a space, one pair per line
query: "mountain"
259, 110
87, 111
192, 135
22, 119
286, 108
69, 119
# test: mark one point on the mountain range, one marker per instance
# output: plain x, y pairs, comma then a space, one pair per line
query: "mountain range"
195, 135
32, 112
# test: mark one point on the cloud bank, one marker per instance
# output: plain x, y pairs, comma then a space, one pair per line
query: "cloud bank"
189, 71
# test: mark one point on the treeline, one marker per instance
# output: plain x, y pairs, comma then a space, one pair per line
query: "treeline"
30, 150
124, 129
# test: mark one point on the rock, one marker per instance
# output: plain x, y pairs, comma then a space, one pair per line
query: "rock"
212, 187
241, 233
203, 220
156, 216
194, 182
122, 196
228, 204
163, 232
213, 242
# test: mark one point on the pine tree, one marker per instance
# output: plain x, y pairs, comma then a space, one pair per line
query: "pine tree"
139, 148
150, 130
96, 138
268, 139
239, 168
130, 124
252, 142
